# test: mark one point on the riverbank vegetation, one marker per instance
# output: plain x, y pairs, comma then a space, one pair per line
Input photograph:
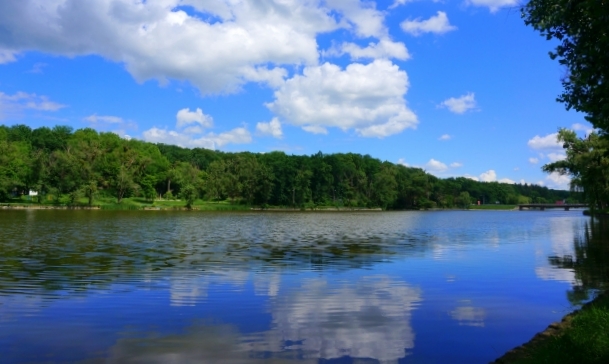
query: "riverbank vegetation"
582, 36
580, 29
582, 336
85, 167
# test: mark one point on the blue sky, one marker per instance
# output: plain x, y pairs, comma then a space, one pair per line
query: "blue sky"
457, 87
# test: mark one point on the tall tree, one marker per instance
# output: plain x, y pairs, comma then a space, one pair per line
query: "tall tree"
587, 163
581, 28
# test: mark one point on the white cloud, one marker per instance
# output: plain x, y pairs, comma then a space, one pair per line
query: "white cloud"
397, 3
37, 68
471, 177
402, 161
493, 5
247, 41
315, 129
445, 137
362, 17
506, 180
557, 181
438, 24
208, 141
366, 98
20, 101
384, 48
94, 119
186, 117
272, 128
7, 56
435, 166
582, 127
554, 157
549, 141
330, 321
488, 176
461, 104
533, 160
556, 274
190, 132
469, 316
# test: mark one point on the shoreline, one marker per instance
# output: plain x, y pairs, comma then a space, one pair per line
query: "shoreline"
554, 329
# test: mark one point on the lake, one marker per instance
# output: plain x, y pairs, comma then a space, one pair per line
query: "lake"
362, 287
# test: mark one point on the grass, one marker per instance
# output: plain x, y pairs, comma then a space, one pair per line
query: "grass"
584, 339
492, 207
133, 203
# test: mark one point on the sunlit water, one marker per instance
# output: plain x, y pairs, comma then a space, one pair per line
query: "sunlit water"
180, 287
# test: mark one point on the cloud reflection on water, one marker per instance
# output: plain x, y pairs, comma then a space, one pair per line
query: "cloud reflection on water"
369, 318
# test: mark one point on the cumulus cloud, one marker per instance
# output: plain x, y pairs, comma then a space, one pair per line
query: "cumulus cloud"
362, 17
438, 24
384, 48
488, 176
435, 166
549, 141
366, 98
554, 157
402, 161
272, 128
461, 104
493, 5
507, 180
187, 139
445, 137
190, 132
246, 41
558, 181
582, 127
533, 160
186, 117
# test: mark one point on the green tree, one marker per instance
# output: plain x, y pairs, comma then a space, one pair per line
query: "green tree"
581, 28
464, 200
191, 181
14, 166
587, 163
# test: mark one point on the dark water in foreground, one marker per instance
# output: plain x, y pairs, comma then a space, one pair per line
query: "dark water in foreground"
180, 287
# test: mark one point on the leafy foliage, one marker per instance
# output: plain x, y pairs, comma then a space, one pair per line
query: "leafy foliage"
581, 28
58, 162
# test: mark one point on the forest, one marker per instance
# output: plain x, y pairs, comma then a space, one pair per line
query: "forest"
77, 167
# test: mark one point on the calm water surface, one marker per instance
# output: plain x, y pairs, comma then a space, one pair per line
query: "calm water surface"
407, 287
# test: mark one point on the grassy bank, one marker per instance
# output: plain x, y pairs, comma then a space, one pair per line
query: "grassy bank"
582, 337
134, 203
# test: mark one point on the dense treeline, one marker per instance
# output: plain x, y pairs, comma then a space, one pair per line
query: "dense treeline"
85, 163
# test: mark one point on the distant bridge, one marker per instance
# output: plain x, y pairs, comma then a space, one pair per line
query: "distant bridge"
543, 206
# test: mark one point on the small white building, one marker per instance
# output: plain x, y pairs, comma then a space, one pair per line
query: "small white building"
33, 193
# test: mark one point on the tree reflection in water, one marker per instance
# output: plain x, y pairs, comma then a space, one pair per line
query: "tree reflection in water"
590, 262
